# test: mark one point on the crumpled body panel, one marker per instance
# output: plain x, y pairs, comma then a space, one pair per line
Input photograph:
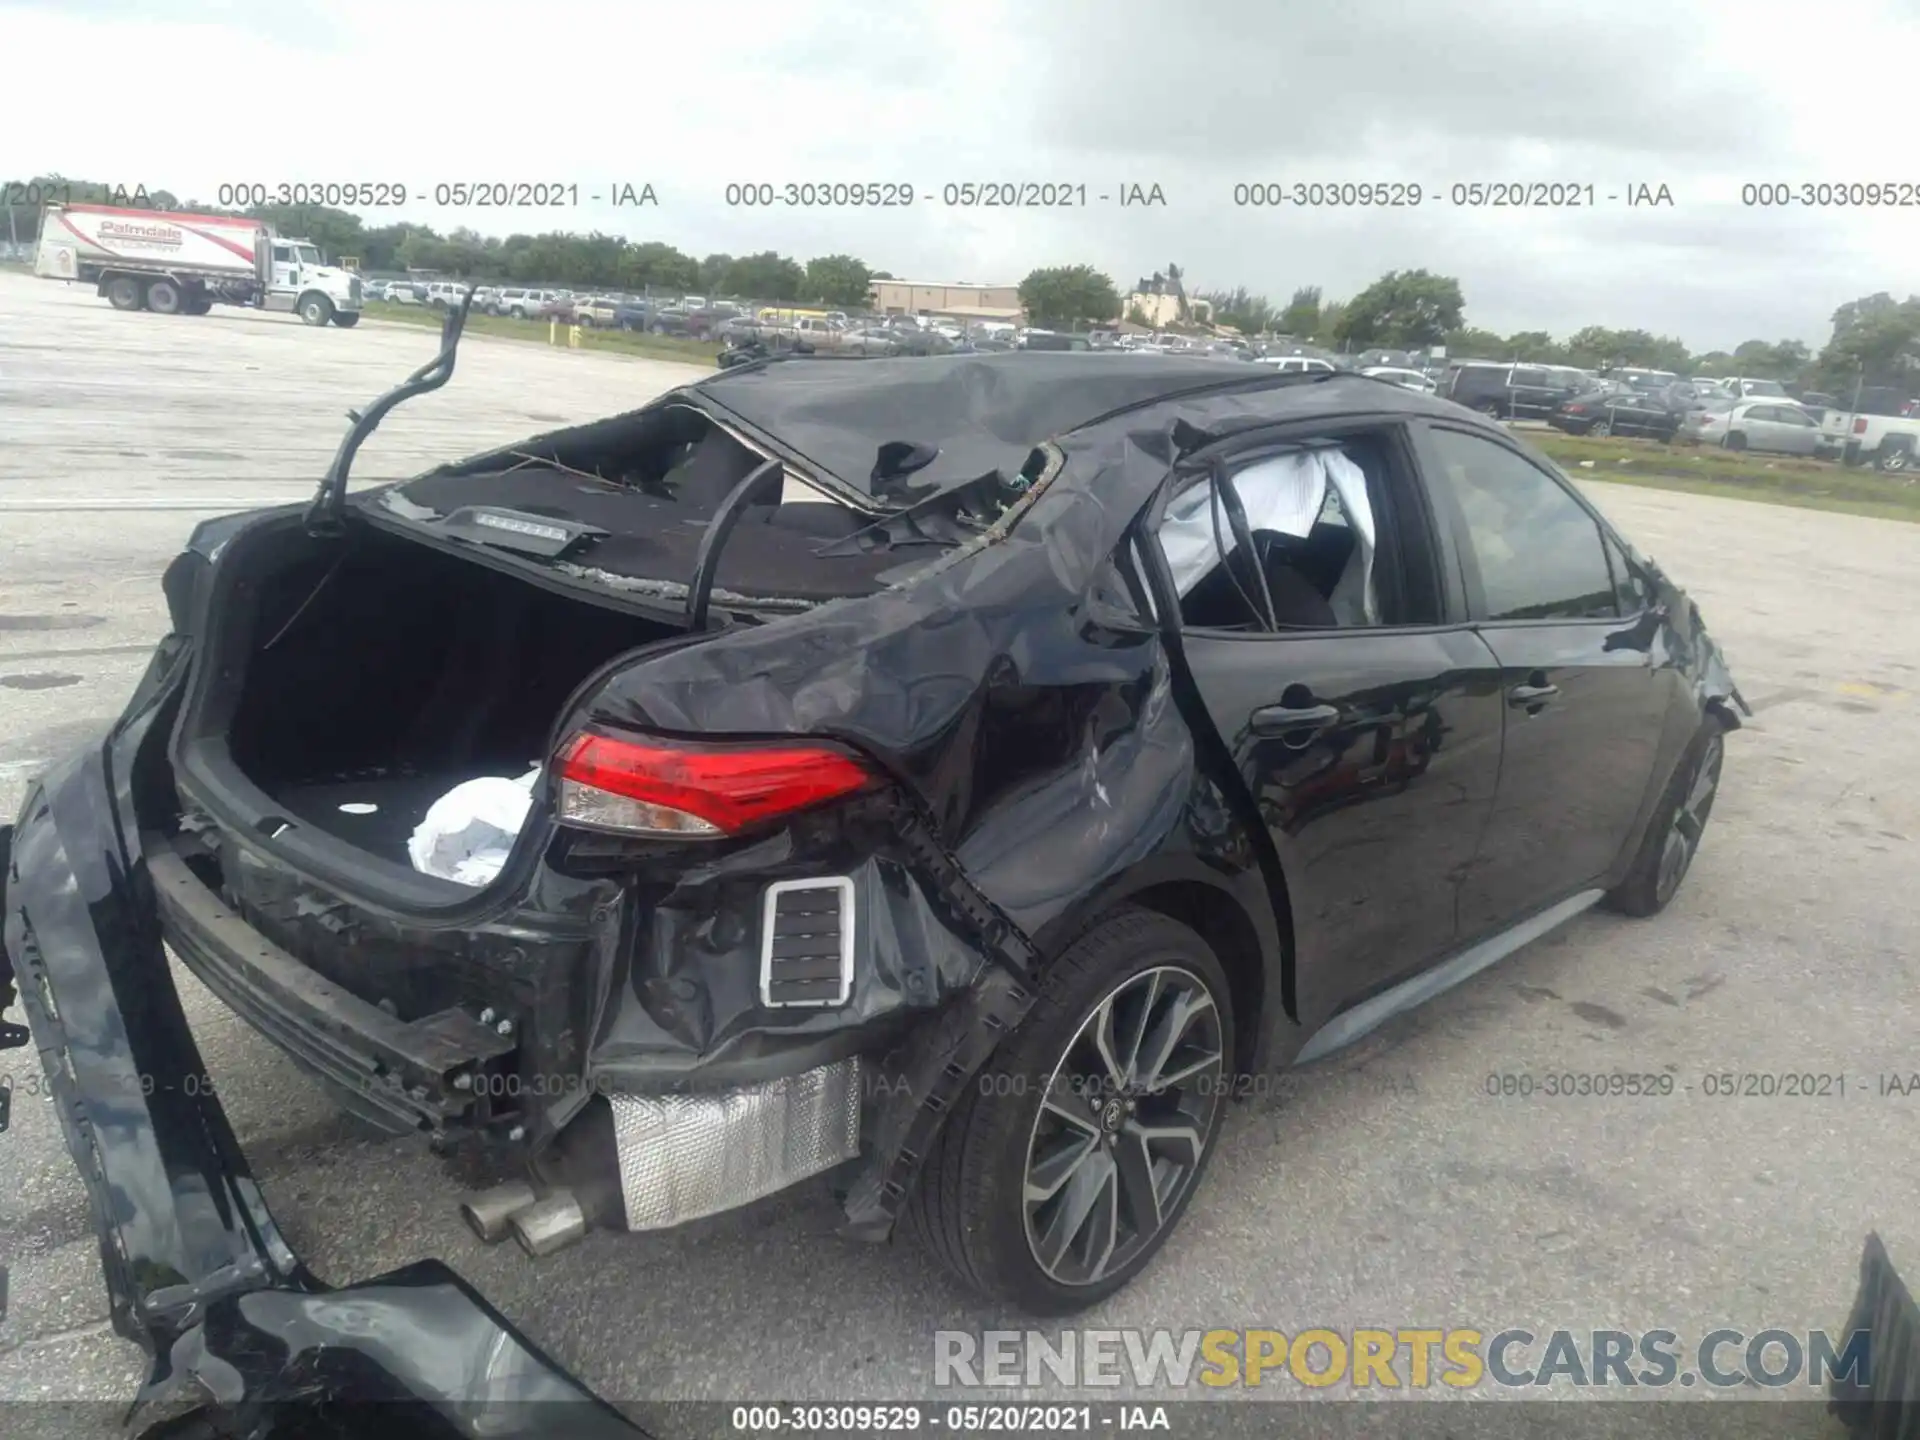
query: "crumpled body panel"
197, 1271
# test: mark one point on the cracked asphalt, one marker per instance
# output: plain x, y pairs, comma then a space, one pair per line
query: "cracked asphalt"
1383, 1187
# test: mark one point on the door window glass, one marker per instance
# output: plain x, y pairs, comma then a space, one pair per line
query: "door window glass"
1539, 551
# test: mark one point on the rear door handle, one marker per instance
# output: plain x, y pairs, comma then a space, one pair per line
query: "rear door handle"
1526, 696
1293, 720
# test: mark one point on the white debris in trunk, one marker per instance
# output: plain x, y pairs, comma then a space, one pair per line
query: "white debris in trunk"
468, 832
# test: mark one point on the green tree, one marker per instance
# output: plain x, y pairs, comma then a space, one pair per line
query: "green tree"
766, 276
1242, 309
1471, 343
713, 272
1068, 295
1595, 346
1876, 341
1402, 308
1302, 315
655, 265
1333, 315
838, 280
1534, 346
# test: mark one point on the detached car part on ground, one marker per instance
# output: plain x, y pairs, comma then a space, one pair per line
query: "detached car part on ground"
955, 773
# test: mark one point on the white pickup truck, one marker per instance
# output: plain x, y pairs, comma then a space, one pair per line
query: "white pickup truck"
1882, 430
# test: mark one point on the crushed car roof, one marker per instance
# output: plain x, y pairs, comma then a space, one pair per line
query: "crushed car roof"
983, 412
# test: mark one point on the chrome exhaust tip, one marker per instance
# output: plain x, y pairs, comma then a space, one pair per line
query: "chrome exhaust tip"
551, 1223
488, 1213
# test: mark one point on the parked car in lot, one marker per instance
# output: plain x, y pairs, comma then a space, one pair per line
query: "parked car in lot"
868, 340
1751, 388
739, 329
1643, 379
1052, 340
518, 301
795, 829
1399, 375
1882, 429
597, 312
445, 294
1507, 392
1297, 364
1816, 404
1780, 427
1621, 410
912, 340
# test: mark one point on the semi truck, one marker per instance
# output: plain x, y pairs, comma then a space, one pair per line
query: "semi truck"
174, 263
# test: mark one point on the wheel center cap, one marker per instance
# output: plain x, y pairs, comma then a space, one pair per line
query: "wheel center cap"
1112, 1115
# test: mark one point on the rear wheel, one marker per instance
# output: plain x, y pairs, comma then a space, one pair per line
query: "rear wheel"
1674, 834
346, 319
1600, 429
1493, 410
1894, 461
164, 298
316, 309
1734, 441
125, 293
199, 303
1072, 1157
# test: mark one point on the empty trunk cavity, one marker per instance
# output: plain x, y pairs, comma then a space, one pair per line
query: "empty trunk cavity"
381, 673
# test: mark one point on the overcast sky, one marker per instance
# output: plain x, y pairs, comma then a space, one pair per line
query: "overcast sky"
1194, 97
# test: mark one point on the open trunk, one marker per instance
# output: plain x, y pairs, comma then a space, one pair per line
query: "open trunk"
375, 673
345, 684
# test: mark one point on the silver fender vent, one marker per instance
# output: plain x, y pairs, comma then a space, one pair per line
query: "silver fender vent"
806, 943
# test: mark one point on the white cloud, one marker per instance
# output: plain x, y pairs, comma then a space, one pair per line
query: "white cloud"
1700, 96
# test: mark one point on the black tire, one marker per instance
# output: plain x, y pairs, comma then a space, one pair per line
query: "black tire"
1493, 410
1677, 827
1734, 441
126, 293
199, 304
1893, 460
346, 319
164, 298
971, 1206
316, 309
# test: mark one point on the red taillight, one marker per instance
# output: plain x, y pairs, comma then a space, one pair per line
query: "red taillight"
1860, 425
671, 787
1575, 409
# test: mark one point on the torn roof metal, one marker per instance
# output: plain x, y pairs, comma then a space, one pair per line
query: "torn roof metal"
985, 413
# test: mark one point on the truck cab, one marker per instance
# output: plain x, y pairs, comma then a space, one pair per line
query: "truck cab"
296, 278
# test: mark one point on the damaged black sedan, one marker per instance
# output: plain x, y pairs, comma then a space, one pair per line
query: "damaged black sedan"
942, 776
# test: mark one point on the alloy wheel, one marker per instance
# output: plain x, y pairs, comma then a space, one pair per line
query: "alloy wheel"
1123, 1125
1690, 820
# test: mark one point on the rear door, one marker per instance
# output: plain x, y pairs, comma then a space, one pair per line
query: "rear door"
1370, 746
1533, 392
1584, 702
